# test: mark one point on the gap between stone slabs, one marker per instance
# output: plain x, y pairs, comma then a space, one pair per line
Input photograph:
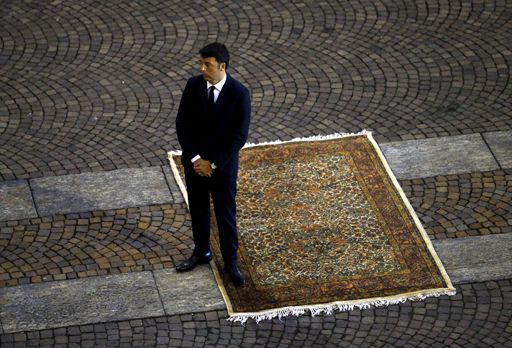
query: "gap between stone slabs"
500, 144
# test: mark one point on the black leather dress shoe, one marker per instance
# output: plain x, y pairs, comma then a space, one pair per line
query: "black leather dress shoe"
193, 261
236, 275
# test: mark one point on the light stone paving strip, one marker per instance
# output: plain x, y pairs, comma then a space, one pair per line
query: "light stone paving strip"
16, 201
190, 292
108, 298
137, 295
477, 259
501, 145
175, 190
100, 191
76, 302
439, 156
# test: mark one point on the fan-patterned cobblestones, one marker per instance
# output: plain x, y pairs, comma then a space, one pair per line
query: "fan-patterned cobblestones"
463, 205
478, 316
90, 244
94, 85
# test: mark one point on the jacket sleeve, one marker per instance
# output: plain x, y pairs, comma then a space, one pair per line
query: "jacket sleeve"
240, 131
183, 122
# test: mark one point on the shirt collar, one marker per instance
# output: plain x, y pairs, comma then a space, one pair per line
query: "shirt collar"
218, 85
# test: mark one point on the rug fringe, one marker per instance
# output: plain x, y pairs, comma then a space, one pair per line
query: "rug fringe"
311, 138
329, 309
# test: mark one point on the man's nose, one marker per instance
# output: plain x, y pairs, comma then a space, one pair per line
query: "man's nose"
203, 67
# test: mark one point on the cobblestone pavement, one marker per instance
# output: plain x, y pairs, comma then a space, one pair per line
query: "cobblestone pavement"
94, 85
90, 244
463, 205
478, 316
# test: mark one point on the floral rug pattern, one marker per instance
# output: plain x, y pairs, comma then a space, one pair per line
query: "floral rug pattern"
312, 234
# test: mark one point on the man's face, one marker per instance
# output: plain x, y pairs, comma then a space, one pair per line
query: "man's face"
212, 71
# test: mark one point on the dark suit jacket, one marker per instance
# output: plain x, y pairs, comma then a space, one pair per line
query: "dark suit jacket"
216, 137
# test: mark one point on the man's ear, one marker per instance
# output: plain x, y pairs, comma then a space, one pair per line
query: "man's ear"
223, 66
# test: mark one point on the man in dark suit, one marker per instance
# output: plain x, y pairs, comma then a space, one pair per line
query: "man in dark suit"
212, 125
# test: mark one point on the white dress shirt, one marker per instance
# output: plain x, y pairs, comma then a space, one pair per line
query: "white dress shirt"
218, 87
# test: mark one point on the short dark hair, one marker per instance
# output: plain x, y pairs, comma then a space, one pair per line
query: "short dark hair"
216, 50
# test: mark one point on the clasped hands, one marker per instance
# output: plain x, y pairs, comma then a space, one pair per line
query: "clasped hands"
203, 167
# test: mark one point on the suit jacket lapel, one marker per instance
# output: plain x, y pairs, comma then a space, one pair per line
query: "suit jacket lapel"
204, 95
223, 91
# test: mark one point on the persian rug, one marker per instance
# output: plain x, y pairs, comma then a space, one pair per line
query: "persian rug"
323, 225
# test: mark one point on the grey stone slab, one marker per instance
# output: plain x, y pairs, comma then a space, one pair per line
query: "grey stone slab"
78, 302
476, 259
121, 188
16, 201
190, 292
501, 145
175, 190
439, 156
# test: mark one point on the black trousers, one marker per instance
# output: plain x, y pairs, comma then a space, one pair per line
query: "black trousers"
222, 188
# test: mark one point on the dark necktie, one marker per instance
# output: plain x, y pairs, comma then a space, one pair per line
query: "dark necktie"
211, 97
